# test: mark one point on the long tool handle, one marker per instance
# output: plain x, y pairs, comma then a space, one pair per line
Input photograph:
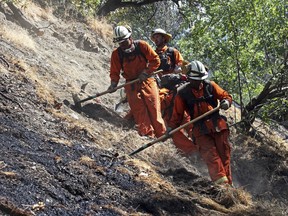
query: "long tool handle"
165, 136
116, 88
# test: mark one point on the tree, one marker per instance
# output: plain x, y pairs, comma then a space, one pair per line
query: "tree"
111, 5
245, 45
148, 17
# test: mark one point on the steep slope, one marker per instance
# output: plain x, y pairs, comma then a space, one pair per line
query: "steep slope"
56, 160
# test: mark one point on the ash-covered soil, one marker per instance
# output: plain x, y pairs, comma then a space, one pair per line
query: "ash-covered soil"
58, 160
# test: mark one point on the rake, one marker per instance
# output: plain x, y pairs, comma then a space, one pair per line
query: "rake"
78, 101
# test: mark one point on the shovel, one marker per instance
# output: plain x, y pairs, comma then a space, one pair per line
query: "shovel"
165, 136
78, 101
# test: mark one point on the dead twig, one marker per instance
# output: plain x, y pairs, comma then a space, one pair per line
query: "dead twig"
6, 62
8, 174
10, 208
3, 95
2, 164
36, 207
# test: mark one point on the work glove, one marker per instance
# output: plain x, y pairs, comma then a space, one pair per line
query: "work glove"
224, 104
112, 86
168, 130
177, 69
143, 76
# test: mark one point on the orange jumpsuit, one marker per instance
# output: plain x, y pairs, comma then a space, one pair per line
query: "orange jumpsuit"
177, 56
210, 134
143, 97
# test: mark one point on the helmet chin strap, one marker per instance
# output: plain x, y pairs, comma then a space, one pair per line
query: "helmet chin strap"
131, 49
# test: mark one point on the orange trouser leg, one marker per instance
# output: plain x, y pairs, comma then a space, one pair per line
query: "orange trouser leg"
150, 95
180, 139
209, 152
183, 143
139, 111
224, 150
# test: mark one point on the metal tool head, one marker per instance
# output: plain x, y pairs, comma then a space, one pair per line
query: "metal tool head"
77, 101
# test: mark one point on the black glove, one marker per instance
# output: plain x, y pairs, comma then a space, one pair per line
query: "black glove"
168, 130
224, 104
167, 136
143, 76
177, 69
112, 87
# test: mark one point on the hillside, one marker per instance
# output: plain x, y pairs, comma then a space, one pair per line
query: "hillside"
58, 160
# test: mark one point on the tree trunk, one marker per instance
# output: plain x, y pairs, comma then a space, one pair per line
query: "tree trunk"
112, 5
251, 109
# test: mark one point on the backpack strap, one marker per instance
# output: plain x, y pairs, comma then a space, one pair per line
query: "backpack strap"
178, 88
189, 98
136, 52
172, 55
167, 59
208, 89
121, 57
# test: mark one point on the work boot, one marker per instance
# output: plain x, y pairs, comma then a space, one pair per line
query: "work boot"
222, 180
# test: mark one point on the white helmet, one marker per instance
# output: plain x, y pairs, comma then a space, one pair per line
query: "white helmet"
196, 71
167, 36
121, 33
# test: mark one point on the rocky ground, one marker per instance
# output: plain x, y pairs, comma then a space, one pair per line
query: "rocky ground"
59, 160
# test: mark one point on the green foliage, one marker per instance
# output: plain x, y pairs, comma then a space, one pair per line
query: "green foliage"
148, 17
87, 7
276, 109
134, 18
245, 38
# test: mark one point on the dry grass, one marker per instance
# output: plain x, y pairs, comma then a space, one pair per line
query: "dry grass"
31, 73
42, 89
227, 200
17, 36
8, 174
61, 141
146, 173
111, 208
77, 125
102, 28
25, 71
36, 13
233, 197
105, 137
165, 154
86, 159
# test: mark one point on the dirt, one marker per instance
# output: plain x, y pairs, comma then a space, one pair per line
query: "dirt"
59, 160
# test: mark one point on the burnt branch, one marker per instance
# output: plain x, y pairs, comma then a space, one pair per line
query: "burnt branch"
112, 5
6, 206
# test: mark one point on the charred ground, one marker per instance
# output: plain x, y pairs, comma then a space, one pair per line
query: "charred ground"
56, 160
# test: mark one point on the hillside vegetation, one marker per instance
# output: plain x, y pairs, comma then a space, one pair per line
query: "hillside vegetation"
58, 160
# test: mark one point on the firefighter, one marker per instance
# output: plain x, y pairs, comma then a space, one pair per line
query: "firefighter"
171, 62
137, 59
211, 133
171, 58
